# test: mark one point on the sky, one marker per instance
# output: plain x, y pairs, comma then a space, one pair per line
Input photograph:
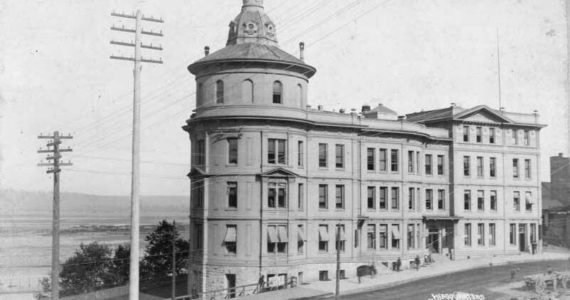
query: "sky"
55, 74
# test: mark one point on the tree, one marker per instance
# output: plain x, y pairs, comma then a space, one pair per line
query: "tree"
88, 270
157, 261
121, 264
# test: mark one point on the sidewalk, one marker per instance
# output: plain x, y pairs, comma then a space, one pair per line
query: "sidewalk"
386, 280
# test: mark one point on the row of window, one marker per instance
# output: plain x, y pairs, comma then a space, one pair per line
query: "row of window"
492, 137
529, 202
481, 240
248, 92
522, 231
493, 167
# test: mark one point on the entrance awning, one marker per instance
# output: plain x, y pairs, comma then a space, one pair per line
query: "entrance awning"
441, 218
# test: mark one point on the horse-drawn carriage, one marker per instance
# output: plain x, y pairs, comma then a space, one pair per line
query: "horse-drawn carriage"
539, 282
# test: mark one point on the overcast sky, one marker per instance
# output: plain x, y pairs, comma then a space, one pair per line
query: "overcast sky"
55, 73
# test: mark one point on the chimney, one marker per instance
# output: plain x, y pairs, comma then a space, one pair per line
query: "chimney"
206, 50
302, 51
365, 108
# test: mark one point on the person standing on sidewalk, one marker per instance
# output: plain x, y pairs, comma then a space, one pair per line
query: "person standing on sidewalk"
417, 261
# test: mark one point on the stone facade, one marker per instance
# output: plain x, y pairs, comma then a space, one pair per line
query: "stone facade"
272, 179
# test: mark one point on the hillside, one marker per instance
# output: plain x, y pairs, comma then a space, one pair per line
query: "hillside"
15, 202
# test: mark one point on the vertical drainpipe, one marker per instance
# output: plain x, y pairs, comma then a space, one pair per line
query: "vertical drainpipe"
261, 204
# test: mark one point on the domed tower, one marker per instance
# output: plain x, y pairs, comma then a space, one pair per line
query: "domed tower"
250, 117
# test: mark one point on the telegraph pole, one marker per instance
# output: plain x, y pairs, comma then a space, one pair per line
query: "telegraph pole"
174, 260
54, 167
337, 286
135, 174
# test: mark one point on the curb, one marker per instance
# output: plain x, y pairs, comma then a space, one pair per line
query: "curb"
427, 276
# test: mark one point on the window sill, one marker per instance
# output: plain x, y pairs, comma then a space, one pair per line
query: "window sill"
231, 209
323, 168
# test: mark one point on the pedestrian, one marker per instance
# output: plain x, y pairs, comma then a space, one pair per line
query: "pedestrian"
417, 262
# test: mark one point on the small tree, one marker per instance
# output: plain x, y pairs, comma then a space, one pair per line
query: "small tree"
87, 271
157, 262
121, 264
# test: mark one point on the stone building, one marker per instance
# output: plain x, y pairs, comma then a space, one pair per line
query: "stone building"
275, 182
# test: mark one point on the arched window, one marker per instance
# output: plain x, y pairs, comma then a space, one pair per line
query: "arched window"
219, 91
247, 91
277, 92
300, 94
199, 94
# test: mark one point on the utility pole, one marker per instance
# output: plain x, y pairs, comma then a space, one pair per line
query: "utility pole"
54, 167
135, 175
337, 287
174, 260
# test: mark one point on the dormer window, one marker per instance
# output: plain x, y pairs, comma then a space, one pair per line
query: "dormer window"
277, 92
219, 92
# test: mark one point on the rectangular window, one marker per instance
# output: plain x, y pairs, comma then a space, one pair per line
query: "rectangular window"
492, 234
323, 155
492, 136
199, 236
467, 200
198, 193
300, 153
232, 151
276, 151
371, 236
370, 159
201, 152
513, 234
277, 239
515, 137
526, 138
528, 201
466, 165
411, 237
533, 233
276, 195
230, 240
339, 203
493, 167
417, 164
479, 134
480, 200
323, 238
429, 199
411, 198
323, 197
411, 162
395, 198
339, 156
232, 195
466, 134
493, 200
440, 165
300, 239
515, 168
383, 236
468, 234
481, 234
395, 236
428, 164
440, 199
301, 198
394, 160
517, 201
323, 275
479, 166
383, 159
383, 197
371, 197
527, 170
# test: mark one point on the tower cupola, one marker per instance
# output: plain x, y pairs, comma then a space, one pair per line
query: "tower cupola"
252, 25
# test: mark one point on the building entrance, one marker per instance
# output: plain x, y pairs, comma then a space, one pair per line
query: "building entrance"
522, 237
433, 240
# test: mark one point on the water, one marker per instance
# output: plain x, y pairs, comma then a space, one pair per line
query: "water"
25, 241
